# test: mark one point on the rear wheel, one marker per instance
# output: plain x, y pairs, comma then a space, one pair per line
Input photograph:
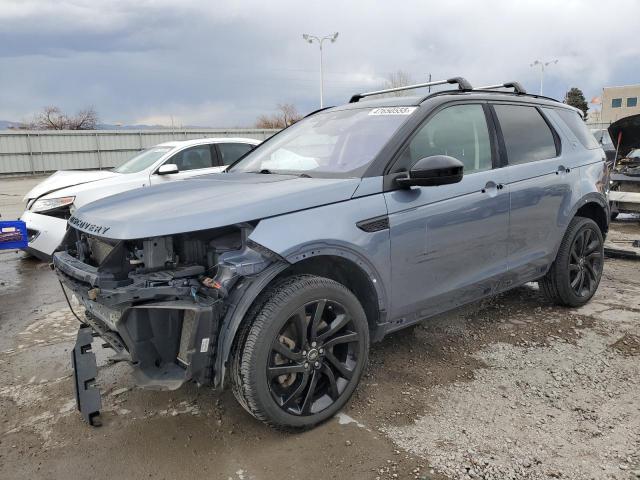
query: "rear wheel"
575, 275
302, 355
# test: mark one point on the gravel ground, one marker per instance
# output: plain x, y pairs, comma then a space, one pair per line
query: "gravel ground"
555, 407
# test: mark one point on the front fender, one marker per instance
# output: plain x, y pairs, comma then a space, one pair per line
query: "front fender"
326, 230
307, 251
240, 299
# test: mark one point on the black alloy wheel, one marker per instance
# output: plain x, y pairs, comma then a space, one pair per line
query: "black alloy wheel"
301, 353
313, 357
575, 274
585, 263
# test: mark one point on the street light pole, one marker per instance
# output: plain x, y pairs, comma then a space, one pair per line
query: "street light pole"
542, 67
310, 39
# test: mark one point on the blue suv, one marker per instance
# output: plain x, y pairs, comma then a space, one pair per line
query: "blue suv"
355, 222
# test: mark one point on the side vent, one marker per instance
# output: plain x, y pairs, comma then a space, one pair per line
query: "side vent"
375, 224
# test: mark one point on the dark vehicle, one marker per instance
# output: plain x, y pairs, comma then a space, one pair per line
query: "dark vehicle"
625, 171
353, 223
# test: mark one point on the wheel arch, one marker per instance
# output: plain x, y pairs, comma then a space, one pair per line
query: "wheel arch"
353, 275
337, 263
595, 207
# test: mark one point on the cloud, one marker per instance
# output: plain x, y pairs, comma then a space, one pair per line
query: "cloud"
224, 63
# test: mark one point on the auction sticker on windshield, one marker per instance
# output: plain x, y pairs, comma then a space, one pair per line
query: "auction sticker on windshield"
393, 111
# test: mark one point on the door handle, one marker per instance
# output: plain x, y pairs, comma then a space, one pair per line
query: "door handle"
491, 186
562, 169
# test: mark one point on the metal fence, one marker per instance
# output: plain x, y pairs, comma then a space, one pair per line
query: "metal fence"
31, 152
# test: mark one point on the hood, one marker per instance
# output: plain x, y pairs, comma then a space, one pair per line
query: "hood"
629, 129
67, 178
210, 201
92, 191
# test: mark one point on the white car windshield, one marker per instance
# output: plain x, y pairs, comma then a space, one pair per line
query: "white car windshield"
342, 142
142, 160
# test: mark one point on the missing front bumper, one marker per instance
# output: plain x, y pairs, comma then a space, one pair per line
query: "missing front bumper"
168, 342
171, 343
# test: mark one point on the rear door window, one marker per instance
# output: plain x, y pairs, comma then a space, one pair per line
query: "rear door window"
526, 134
578, 127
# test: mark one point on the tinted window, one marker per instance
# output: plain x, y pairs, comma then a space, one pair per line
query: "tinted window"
192, 158
230, 152
527, 136
632, 101
616, 102
578, 127
459, 131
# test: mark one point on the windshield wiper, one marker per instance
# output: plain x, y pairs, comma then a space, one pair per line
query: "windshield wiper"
266, 171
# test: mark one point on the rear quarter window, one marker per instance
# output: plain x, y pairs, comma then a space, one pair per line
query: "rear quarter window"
578, 127
526, 134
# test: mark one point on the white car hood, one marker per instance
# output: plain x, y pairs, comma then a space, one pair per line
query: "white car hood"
90, 191
106, 187
67, 178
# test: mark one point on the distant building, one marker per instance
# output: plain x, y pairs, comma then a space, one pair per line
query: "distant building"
619, 102
594, 117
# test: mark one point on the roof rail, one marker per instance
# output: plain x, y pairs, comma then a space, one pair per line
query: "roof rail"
517, 88
463, 84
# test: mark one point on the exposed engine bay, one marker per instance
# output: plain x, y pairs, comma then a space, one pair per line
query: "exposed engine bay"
625, 185
625, 170
158, 302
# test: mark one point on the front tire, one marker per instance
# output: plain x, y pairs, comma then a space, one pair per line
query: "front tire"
301, 356
576, 272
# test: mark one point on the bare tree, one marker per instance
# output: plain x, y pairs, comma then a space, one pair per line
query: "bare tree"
52, 118
397, 79
85, 119
286, 114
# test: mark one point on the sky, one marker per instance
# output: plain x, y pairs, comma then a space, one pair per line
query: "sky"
223, 63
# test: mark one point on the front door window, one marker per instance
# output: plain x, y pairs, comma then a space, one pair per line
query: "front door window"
193, 158
459, 131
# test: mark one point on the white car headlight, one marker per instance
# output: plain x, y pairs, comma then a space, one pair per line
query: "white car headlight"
47, 204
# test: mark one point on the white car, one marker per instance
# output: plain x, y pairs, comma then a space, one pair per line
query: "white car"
51, 202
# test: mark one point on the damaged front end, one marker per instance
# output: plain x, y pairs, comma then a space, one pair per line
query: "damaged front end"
160, 302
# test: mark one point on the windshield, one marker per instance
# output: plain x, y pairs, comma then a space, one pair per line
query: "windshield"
339, 143
142, 160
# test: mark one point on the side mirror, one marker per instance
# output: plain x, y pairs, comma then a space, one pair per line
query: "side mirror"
432, 171
167, 169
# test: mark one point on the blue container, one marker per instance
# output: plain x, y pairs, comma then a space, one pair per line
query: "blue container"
13, 235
